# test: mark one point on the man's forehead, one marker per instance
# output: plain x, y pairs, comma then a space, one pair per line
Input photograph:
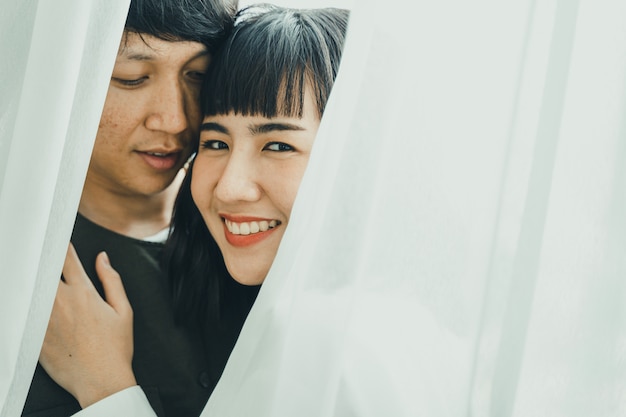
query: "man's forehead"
143, 46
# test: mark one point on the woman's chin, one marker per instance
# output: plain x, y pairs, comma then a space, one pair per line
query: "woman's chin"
249, 279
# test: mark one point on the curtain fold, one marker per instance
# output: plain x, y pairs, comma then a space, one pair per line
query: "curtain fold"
457, 245
57, 59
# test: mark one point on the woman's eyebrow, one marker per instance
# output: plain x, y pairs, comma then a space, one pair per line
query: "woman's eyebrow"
215, 127
261, 128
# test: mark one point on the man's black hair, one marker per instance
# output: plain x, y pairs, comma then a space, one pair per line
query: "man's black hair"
204, 21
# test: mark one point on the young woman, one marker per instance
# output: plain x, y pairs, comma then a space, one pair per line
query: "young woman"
262, 102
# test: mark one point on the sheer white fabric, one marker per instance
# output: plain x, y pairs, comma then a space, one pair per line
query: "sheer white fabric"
56, 59
457, 247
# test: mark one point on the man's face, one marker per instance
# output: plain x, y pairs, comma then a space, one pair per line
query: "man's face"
151, 116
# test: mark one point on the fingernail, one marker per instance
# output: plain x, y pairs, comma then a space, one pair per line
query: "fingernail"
105, 259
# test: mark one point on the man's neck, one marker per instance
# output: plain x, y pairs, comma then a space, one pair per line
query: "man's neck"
136, 216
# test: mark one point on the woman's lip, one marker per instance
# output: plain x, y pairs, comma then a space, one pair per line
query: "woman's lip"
243, 219
246, 240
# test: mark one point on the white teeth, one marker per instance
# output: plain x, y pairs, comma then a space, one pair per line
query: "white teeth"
157, 154
250, 228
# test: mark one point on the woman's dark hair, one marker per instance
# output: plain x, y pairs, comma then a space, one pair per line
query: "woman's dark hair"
272, 55
269, 59
193, 261
204, 21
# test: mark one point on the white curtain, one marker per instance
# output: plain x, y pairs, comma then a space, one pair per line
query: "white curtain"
56, 58
458, 246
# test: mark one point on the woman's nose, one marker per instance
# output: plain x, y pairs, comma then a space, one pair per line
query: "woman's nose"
238, 181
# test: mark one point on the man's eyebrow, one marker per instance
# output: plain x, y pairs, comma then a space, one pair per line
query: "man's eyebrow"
147, 56
138, 56
212, 126
261, 128
201, 53
134, 55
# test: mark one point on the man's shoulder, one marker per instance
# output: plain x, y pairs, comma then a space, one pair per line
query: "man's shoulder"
132, 258
86, 232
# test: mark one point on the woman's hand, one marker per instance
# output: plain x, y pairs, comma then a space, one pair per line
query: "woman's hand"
88, 348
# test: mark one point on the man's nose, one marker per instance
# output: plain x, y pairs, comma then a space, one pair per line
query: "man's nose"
169, 109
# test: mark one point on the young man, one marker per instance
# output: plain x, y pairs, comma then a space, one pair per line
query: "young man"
148, 130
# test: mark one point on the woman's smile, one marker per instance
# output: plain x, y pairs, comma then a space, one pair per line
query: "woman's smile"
245, 232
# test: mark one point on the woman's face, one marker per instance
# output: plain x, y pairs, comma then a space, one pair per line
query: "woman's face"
245, 178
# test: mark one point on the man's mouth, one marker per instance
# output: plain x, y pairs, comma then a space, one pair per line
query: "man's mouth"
159, 154
161, 160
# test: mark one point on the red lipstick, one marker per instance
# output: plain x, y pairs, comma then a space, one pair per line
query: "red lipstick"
241, 240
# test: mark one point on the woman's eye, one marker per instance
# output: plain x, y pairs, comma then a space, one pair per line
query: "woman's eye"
215, 145
278, 147
129, 83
